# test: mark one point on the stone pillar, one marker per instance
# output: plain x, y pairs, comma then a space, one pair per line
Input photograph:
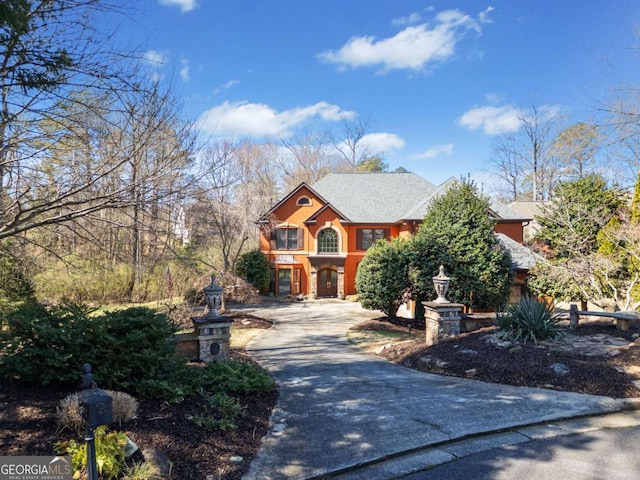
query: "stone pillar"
214, 338
313, 288
574, 318
442, 320
341, 283
431, 327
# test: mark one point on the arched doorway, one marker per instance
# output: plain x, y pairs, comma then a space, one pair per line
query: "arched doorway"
327, 282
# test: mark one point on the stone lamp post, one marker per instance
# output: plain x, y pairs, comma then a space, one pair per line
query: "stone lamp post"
213, 329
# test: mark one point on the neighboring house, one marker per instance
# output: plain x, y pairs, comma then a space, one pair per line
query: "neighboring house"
316, 236
529, 209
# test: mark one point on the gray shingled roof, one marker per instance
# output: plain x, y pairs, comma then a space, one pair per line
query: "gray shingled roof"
388, 197
419, 210
507, 213
522, 258
528, 209
374, 197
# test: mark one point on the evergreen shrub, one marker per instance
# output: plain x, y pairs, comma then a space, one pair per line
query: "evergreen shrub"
50, 345
383, 275
254, 268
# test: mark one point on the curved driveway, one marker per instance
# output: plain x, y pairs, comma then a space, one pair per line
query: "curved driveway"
341, 409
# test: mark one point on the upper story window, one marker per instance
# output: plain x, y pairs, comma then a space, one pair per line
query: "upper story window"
328, 241
365, 237
305, 201
287, 238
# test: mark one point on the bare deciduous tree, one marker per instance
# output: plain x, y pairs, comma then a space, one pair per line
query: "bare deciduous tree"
305, 158
38, 78
507, 165
575, 147
239, 184
523, 159
350, 146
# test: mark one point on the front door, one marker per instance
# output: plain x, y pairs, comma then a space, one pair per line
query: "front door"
284, 281
327, 283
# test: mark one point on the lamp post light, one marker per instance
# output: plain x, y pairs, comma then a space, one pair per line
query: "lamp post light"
213, 295
441, 284
213, 329
96, 407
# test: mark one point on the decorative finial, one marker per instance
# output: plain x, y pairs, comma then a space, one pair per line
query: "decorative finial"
441, 285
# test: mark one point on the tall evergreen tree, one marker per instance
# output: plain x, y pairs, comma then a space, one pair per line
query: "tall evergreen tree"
459, 229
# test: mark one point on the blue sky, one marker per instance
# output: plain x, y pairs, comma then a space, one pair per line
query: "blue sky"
438, 80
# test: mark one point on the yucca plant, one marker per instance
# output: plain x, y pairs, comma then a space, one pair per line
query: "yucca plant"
530, 320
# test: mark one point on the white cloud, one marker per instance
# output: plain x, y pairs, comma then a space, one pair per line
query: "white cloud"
413, 48
184, 70
410, 20
225, 86
259, 120
185, 5
435, 151
492, 120
382, 142
484, 16
157, 59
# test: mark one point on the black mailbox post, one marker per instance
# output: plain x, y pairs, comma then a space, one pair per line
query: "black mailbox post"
96, 407
97, 410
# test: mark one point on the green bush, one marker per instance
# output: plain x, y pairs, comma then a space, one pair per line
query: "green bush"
124, 348
383, 275
221, 412
110, 453
236, 377
130, 350
254, 268
530, 320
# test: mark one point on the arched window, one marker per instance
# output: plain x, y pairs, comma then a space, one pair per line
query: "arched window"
304, 201
328, 241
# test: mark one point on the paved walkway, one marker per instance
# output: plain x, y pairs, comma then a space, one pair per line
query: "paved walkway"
343, 413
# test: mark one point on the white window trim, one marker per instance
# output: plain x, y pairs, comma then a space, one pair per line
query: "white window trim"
339, 252
300, 204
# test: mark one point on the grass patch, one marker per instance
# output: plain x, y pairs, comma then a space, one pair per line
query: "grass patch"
369, 339
240, 337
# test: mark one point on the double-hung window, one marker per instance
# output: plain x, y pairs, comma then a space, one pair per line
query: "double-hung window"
368, 236
287, 238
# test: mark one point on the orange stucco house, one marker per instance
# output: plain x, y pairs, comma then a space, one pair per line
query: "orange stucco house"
316, 236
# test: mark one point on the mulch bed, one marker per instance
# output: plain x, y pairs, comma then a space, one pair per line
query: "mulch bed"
28, 426
530, 365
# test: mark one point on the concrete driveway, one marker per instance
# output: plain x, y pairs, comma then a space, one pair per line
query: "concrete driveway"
341, 409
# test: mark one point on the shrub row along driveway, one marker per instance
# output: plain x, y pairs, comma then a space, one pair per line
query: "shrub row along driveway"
340, 407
